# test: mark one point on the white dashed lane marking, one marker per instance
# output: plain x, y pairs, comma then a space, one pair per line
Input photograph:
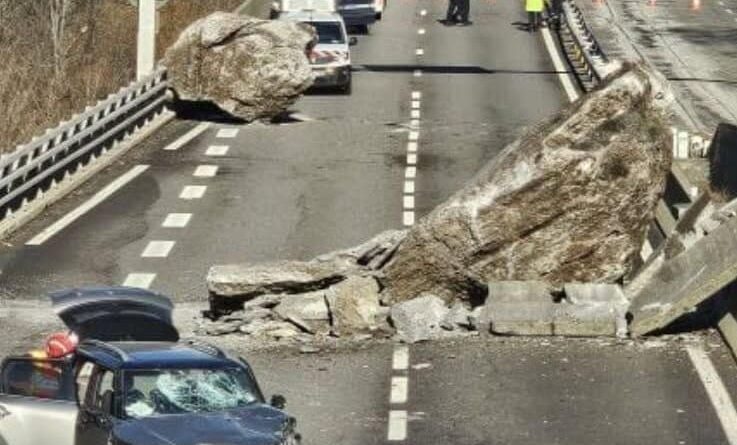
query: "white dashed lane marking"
193, 192
177, 220
417, 73
423, 12
408, 218
421, 31
410, 172
415, 114
412, 147
142, 280
158, 249
416, 95
414, 123
400, 359
227, 133
217, 150
399, 390
415, 104
412, 159
397, 426
409, 202
414, 135
191, 134
409, 187
205, 171
88, 205
420, 52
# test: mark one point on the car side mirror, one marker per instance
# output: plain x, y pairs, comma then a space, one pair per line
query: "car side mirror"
278, 401
353, 41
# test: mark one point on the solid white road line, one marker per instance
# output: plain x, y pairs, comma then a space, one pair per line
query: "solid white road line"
217, 150
397, 426
91, 203
227, 133
420, 52
416, 95
193, 192
400, 359
399, 390
412, 159
409, 187
415, 114
191, 134
205, 171
408, 218
409, 202
410, 172
716, 390
158, 249
176, 220
414, 135
142, 280
412, 147
559, 65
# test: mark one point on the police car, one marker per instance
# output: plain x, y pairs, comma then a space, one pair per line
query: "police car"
331, 56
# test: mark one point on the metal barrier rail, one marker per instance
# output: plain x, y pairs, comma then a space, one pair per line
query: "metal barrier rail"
580, 46
39, 165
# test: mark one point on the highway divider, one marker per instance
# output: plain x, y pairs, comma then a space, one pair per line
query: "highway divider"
590, 65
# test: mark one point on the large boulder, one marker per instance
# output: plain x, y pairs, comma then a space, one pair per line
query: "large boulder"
249, 67
568, 202
354, 306
419, 319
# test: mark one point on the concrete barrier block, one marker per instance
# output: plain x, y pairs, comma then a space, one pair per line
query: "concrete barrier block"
584, 293
519, 292
588, 320
520, 318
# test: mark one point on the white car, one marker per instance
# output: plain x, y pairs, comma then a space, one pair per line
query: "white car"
331, 56
283, 6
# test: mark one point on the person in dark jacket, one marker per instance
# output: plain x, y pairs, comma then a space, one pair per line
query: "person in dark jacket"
453, 10
464, 9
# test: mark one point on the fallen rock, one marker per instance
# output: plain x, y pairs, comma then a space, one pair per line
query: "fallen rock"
308, 311
232, 285
458, 317
371, 255
354, 305
568, 202
251, 68
419, 319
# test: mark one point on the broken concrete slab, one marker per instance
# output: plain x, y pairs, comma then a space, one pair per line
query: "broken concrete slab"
686, 280
354, 305
232, 285
419, 319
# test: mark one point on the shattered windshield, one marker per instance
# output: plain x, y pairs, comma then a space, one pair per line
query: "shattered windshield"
179, 391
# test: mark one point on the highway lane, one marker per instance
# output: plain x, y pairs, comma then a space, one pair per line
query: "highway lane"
296, 190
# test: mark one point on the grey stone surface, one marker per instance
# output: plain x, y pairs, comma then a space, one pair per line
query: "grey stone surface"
419, 319
569, 201
458, 317
587, 320
520, 318
371, 254
686, 280
249, 67
307, 311
354, 305
247, 281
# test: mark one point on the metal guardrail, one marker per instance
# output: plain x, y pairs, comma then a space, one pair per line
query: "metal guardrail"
34, 168
581, 48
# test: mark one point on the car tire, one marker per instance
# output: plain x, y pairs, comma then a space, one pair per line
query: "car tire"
347, 89
378, 16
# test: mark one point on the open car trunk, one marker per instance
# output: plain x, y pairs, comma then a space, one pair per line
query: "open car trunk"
116, 314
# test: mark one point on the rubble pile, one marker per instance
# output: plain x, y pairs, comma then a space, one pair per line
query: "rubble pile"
250, 68
567, 203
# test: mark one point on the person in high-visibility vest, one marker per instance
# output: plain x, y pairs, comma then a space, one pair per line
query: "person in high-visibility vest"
534, 10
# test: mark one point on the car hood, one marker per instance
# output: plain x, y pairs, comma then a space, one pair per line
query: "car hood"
255, 425
115, 314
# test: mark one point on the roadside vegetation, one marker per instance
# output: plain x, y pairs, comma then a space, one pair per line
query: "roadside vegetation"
60, 55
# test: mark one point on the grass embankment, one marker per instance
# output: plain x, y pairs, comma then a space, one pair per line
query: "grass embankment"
56, 60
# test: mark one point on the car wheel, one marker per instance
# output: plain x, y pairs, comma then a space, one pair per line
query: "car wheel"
347, 89
378, 16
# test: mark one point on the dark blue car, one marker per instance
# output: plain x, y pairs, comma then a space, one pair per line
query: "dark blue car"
132, 381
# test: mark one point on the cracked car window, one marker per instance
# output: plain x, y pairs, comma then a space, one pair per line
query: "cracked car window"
177, 391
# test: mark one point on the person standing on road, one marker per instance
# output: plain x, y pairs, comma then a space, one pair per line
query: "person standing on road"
453, 11
464, 9
534, 10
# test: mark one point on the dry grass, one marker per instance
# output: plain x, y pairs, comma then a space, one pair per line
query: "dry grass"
98, 57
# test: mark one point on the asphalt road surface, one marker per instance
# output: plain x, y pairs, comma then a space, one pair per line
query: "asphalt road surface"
354, 166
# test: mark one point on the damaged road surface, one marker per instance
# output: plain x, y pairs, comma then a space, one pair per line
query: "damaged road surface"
292, 191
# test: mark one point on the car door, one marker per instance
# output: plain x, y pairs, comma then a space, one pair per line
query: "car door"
97, 407
37, 404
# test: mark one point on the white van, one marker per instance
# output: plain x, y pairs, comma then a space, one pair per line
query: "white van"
281, 6
331, 56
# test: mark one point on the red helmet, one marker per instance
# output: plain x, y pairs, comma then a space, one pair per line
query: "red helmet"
61, 344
